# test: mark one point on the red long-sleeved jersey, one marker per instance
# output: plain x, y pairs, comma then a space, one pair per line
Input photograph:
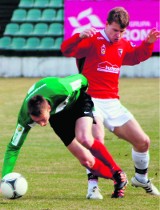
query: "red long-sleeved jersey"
100, 61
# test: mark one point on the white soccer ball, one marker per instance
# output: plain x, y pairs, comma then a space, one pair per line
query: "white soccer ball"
13, 185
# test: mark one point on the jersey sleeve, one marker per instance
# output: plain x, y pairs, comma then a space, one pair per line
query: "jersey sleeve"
138, 54
14, 146
13, 149
75, 46
75, 83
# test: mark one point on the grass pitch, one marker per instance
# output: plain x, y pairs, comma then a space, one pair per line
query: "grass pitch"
56, 179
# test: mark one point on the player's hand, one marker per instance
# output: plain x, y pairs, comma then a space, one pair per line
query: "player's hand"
153, 35
87, 33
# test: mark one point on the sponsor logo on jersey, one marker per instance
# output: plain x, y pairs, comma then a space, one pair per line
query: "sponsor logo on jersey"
17, 135
108, 67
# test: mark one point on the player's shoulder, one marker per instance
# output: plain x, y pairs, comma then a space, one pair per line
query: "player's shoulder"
127, 42
46, 80
100, 37
96, 38
97, 35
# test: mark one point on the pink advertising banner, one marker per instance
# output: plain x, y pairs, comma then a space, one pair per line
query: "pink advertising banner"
82, 14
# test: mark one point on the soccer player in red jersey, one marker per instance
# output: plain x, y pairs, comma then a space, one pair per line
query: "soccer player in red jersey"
99, 56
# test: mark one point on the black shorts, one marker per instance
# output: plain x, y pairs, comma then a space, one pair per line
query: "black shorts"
63, 123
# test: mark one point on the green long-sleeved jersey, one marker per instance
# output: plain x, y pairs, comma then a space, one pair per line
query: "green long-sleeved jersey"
61, 93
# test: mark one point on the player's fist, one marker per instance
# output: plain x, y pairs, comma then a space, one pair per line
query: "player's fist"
153, 35
87, 33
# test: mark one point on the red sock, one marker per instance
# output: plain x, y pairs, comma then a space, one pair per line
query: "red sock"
100, 151
101, 170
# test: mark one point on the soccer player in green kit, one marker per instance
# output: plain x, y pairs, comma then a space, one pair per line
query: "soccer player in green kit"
64, 104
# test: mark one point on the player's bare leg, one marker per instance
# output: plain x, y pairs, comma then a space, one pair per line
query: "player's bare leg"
133, 133
100, 152
98, 168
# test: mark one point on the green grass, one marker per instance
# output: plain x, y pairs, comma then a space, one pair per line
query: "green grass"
56, 179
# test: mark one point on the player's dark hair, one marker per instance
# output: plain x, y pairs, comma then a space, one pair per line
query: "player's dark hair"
120, 16
35, 105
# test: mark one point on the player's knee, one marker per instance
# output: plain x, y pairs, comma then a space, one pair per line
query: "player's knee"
98, 133
87, 163
144, 144
100, 138
85, 140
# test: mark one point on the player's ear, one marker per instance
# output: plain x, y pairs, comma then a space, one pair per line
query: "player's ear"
107, 24
49, 107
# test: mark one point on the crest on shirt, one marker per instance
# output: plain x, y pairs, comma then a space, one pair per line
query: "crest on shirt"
103, 49
120, 51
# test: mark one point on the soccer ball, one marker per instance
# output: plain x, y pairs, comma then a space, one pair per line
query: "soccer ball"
13, 185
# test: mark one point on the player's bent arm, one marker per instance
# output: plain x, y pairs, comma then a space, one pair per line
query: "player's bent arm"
13, 149
76, 46
138, 54
68, 47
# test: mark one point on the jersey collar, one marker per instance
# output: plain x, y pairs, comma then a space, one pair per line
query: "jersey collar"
104, 35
